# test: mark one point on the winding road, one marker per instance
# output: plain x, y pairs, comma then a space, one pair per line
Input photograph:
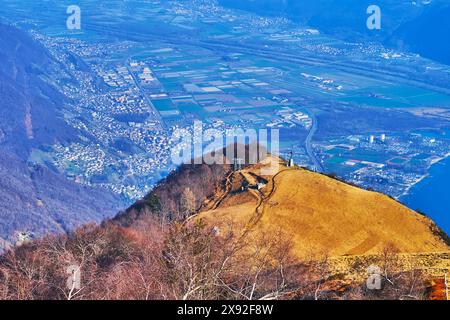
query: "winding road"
308, 145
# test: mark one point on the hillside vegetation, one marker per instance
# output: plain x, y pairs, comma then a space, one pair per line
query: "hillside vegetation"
215, 233
326, 215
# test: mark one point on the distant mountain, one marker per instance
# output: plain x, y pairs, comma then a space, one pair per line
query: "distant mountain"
418, 26
37, 198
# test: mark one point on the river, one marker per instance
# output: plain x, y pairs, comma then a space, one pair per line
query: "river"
432, 195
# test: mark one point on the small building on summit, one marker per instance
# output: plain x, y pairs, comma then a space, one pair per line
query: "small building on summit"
261, 185
291, 163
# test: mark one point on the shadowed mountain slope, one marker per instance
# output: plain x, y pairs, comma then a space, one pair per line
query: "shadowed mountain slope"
37, 198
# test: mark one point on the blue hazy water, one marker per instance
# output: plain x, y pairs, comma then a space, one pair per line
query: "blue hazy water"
432, 195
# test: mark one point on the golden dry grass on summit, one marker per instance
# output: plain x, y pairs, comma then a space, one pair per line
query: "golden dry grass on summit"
322, 214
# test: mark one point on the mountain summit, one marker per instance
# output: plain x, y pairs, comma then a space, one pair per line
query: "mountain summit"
321, 213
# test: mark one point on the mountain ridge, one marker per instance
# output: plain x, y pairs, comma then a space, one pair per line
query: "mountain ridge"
247, 236
329, 214
36, 198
